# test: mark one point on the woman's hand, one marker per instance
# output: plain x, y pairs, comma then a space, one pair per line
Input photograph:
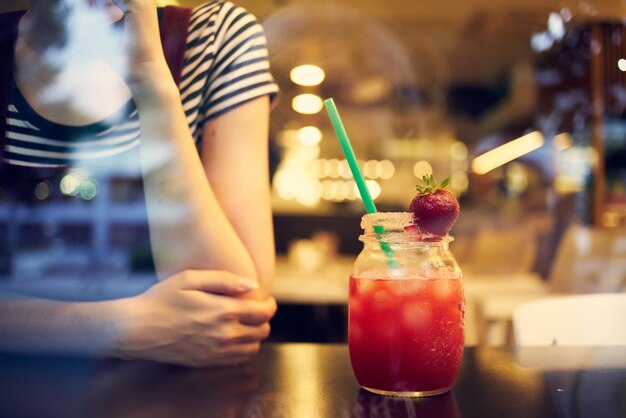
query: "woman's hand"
142, 43
196, 318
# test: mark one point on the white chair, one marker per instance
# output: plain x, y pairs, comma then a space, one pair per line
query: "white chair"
590, 260
585, 320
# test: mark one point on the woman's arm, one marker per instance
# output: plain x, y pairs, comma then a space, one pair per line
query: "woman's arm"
214, 216
235, 157
205, 313
195, 318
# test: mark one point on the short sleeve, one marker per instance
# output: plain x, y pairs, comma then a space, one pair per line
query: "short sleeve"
240, 70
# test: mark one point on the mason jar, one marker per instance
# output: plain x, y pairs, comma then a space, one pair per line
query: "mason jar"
406, 309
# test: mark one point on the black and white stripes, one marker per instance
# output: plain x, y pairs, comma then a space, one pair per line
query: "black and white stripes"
226, 64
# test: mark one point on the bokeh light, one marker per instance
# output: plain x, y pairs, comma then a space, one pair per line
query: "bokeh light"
307, 75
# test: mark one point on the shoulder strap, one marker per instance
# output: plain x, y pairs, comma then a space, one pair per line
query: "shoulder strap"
8, 36
174, 25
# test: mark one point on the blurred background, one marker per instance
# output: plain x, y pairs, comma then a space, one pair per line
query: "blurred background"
521, 103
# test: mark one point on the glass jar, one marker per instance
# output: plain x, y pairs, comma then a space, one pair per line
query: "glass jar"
406, 309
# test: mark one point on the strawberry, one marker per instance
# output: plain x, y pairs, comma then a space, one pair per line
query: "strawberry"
434, 209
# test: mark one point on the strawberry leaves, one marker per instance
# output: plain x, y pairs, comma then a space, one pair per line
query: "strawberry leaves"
430, 185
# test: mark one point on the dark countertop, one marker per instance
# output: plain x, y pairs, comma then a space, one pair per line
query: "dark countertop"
315, 380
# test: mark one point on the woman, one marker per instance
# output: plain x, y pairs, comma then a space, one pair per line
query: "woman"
92, 95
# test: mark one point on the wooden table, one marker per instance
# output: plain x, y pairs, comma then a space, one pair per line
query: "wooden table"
315, 381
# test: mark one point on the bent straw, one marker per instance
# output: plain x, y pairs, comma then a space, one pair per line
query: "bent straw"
346, 146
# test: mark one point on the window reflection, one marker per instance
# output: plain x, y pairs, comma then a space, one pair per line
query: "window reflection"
422, 88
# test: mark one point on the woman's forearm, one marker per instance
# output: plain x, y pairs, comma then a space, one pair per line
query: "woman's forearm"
45, 326
237, 143
188, 227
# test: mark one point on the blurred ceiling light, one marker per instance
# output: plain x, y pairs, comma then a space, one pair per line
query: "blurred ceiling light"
374, 169
289, 138
562, 141
566, 14
344, 169
321, 168
326, 184
459, 182
70, 184
309, 194
349, 190
508, 152
564, 184
458, 151
292, 183
370, 169
89, 189
387, 169
308, 153
43, 190
516, 178
621, 64
337, 190
333, 171
329, 189
372, 186
556, 27
309, 135
610, 219
307, 104
307, 75
422, 168
541, 41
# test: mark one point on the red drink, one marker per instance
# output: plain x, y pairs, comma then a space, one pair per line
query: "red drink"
406, 335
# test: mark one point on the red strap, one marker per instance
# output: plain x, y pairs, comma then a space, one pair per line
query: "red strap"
174, 27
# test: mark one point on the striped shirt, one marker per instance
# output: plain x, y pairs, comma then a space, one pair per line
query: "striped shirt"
226, 64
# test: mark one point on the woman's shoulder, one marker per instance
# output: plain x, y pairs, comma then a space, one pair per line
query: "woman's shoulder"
219, 10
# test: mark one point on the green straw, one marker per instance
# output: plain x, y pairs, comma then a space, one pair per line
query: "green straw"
346, 146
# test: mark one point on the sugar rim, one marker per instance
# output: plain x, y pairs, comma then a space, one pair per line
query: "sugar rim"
395, 223
392, 220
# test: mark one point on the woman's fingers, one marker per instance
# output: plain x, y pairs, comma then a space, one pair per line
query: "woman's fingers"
199, 318
217, 282
254, 312
236, 310
246, 334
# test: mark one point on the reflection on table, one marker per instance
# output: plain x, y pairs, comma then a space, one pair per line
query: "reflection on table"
316, 381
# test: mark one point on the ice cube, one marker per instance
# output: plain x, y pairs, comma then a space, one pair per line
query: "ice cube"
417, 317
445, 288
407, 287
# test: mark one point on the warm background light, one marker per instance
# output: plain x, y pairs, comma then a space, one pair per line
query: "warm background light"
562, 141
310, 135
307, 75
307, 104
508, 152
